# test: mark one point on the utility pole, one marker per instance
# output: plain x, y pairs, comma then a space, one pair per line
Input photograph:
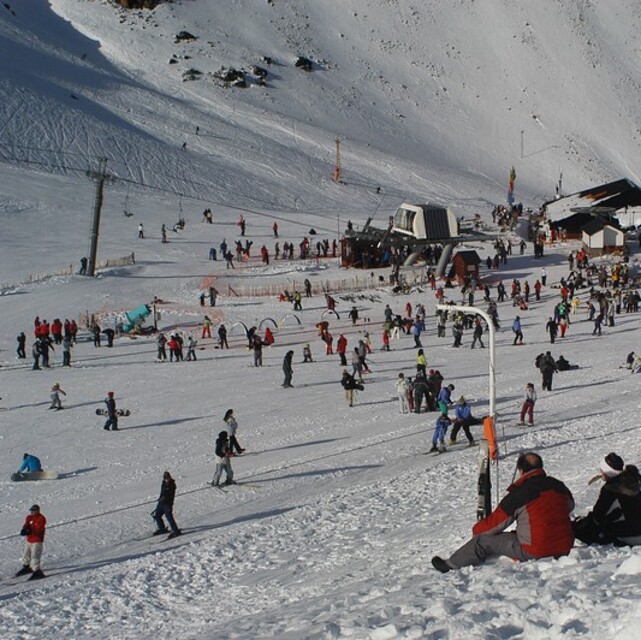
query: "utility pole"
522, 147
99, 178
337, 169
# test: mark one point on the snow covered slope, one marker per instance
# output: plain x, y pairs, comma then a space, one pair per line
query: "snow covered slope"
333, 534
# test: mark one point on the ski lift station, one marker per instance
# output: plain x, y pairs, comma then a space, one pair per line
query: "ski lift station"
425, 222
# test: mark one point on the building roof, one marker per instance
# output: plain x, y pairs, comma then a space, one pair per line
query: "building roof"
469, 257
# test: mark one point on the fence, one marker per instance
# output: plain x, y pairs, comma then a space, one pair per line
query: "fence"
67, 271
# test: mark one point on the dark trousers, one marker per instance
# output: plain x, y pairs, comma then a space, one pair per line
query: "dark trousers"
233, 445
112, 421
465, 425
167, 511
66, 358
343, 359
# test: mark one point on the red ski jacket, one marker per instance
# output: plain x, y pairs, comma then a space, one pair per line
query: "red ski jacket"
541, 507
35, 524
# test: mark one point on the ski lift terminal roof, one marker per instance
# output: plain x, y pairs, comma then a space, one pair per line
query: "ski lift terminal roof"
425, 221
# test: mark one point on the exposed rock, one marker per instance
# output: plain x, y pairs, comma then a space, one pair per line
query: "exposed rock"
230, 75
185, 36
258, 71
303, 63
192, 74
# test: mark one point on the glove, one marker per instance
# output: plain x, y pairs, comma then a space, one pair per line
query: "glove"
25, 531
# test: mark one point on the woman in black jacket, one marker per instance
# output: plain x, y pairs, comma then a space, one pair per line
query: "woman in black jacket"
616, 516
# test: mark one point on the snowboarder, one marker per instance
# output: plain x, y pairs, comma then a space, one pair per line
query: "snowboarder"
616, 516
30, 464
528, 404
112, 413
232, 427
56, 402
165, 507
223, 461
33, 530
540, 505
288, 369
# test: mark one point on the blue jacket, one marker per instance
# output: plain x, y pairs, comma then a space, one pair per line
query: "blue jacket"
463, 411
30, 463
516, 326
445, 395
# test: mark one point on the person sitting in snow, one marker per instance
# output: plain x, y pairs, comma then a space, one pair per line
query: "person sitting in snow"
616, 516
539, 504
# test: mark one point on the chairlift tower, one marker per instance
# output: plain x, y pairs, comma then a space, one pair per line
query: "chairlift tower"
99, 177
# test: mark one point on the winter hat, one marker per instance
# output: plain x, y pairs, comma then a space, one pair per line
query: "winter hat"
35, 508
611, 465
461, 400
110, 394
431, 372
223, 435
228, 413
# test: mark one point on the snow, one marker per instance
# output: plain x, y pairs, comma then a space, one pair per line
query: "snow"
333, 533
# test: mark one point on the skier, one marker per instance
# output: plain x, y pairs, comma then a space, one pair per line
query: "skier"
288, 369
223, 461
518, 333
438, 439
22, 339
56, 390
112, 413
463, 419
528, 404
206, 333
30, 464
616, 516
34, 530
444, 398
357, 365
165, 507
541, 507
232, 427
402, 388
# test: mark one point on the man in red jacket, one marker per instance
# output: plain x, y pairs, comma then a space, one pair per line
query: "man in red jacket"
540, 505
34, 530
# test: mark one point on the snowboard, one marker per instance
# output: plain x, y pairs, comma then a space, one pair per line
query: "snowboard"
119, 412
46, 474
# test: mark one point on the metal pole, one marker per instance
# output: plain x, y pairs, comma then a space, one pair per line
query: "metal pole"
522, 148
99, 177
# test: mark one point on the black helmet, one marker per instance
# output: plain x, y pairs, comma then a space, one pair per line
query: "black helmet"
223, 435
35, 508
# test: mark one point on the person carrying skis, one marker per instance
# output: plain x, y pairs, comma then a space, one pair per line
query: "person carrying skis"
33, 530
232, 427
539, 504
165, 507
56, 390
528, 404
223, 461
112, 413
616, 516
